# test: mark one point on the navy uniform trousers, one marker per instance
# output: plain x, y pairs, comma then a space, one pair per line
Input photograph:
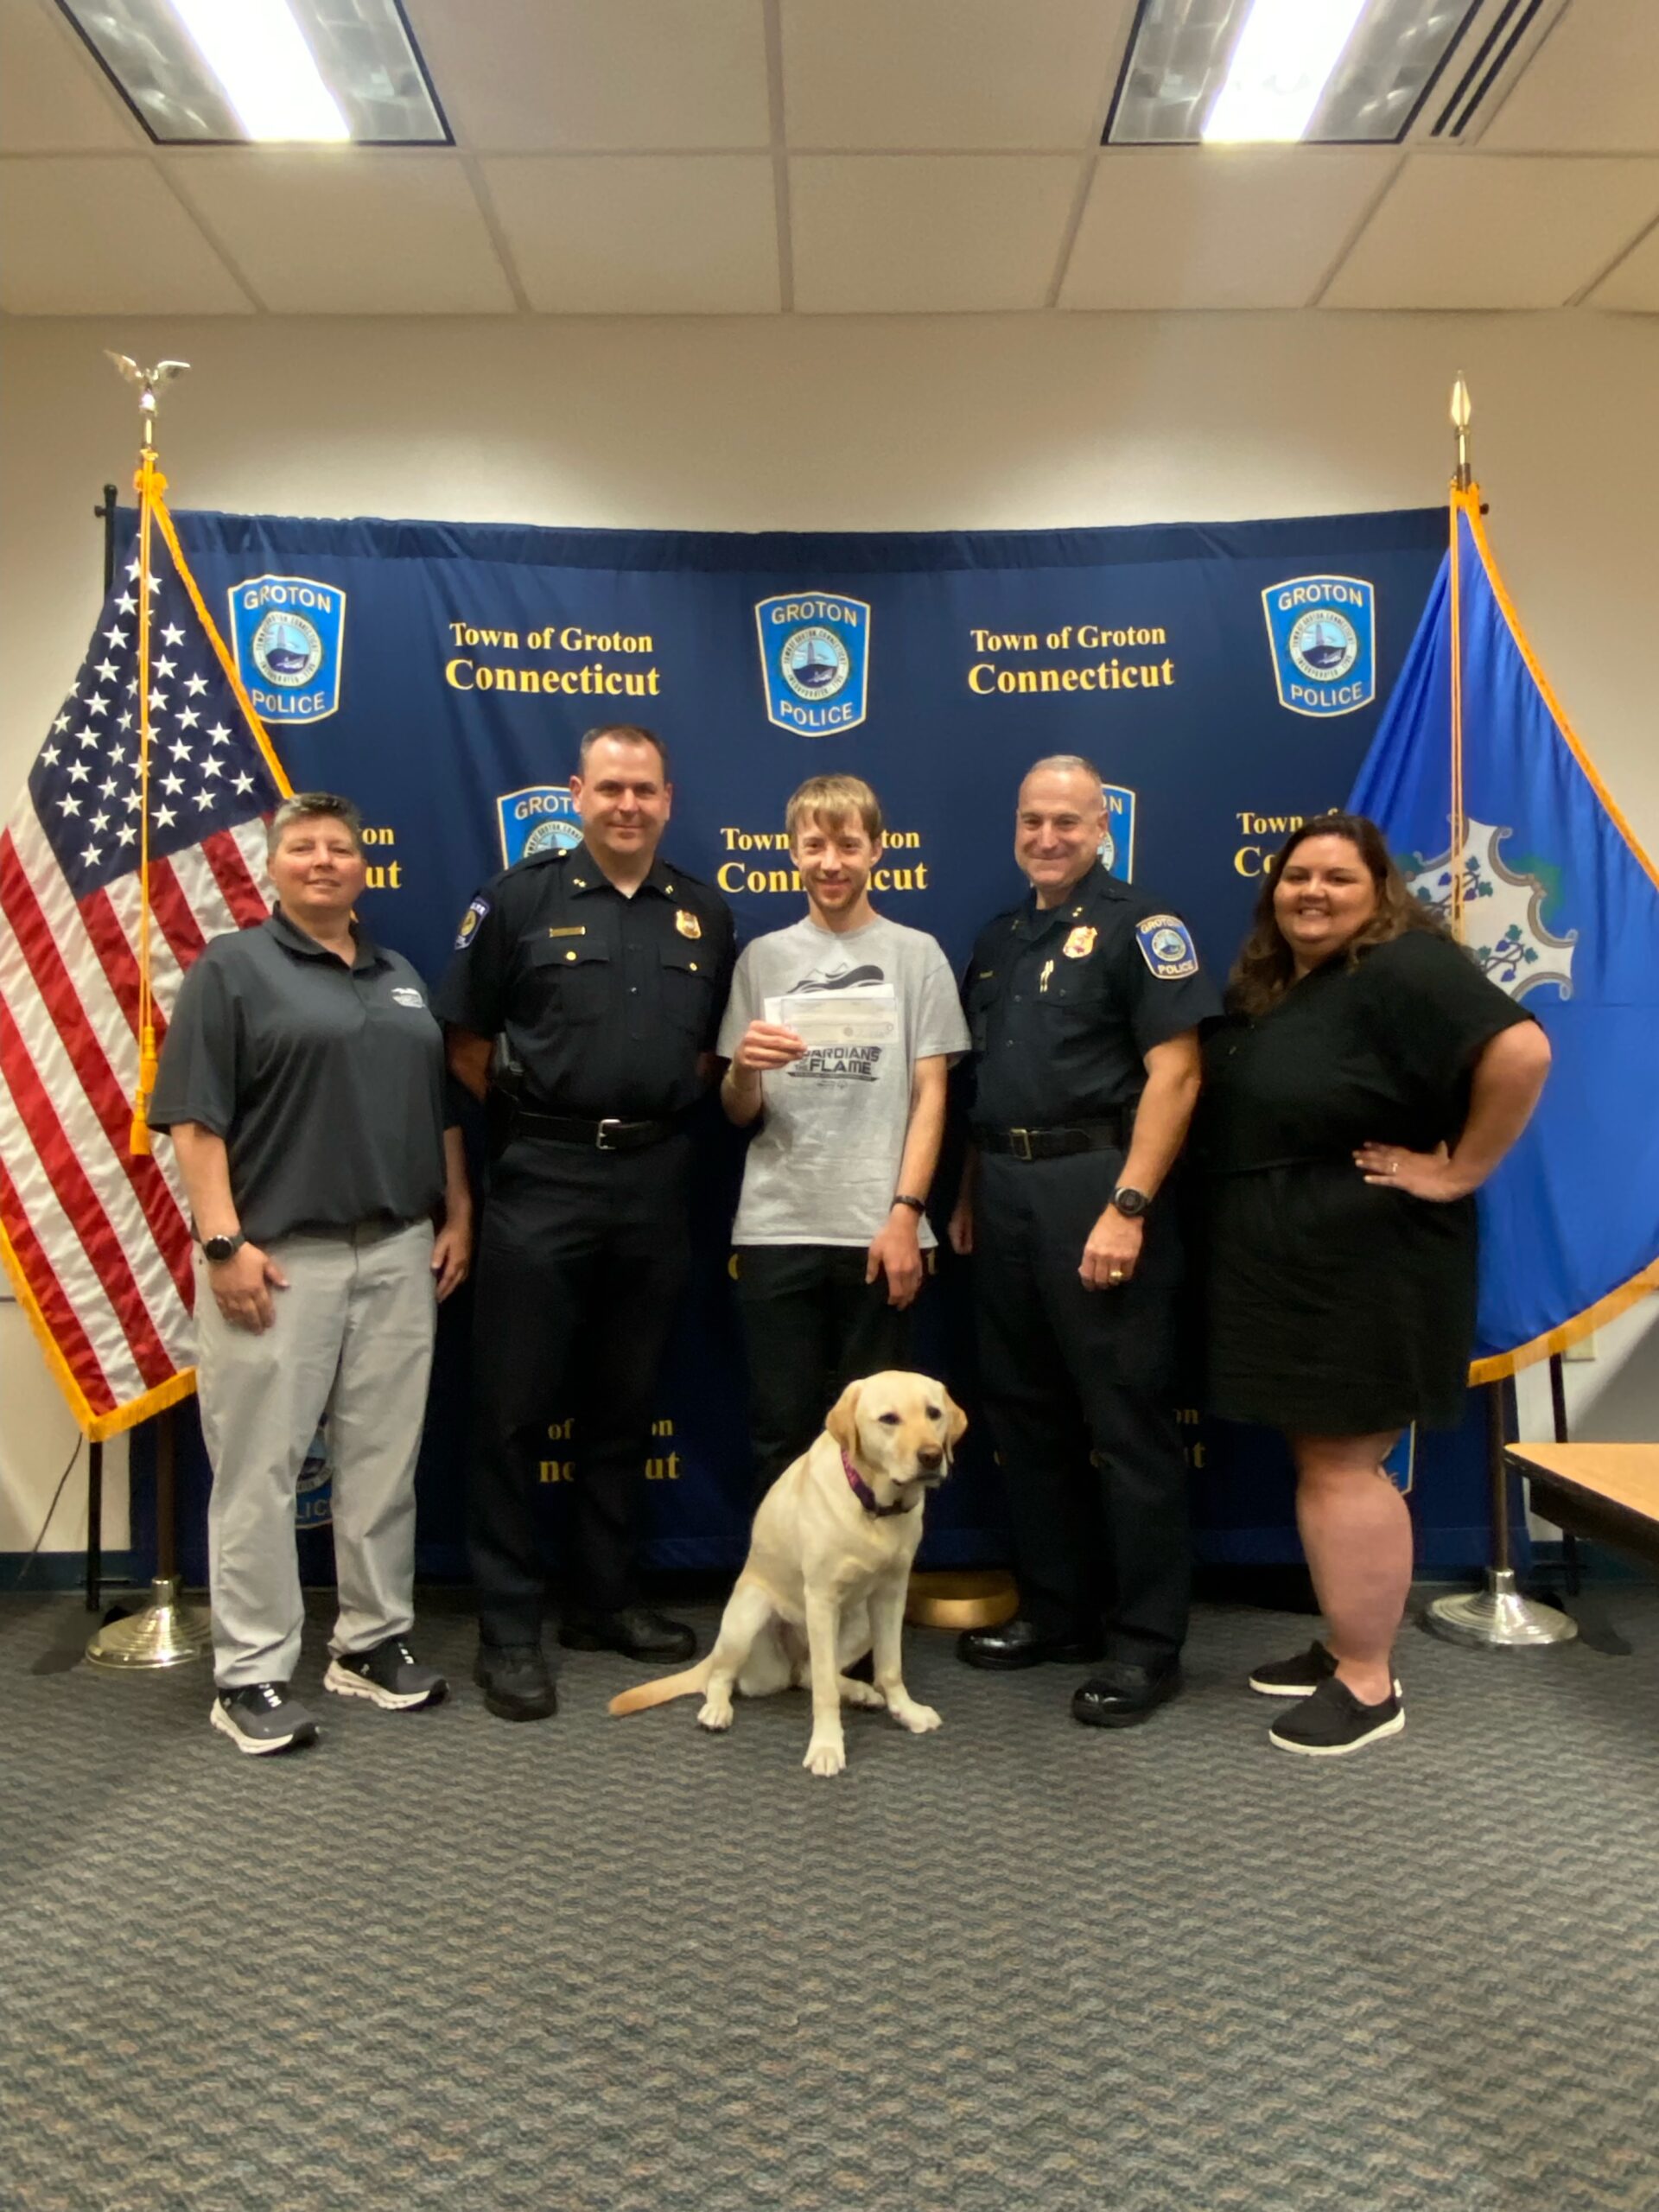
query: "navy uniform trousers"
1076, 1386
581, 1264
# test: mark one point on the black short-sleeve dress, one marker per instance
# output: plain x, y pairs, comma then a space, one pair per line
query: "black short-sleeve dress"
1334, 1306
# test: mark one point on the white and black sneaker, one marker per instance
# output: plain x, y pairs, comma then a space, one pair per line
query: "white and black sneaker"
1297, 1677
1333, 1721
262, 1717
388, 1673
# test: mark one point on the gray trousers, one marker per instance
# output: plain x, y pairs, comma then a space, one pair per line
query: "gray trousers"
352, 1337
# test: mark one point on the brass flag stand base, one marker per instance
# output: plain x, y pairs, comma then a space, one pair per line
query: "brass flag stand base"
1498, 1618
984, 1598
163, 1634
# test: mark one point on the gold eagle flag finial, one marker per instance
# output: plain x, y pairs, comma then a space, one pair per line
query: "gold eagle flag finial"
148, 383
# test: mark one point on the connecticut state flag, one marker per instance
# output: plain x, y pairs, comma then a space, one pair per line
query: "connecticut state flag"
1560, 905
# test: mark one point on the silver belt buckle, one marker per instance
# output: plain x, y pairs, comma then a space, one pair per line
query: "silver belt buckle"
1020, 1142
601, 1142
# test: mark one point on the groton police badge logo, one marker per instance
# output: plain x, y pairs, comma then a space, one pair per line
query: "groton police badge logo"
1323, 632
289, 635
541, 818
815, 660
1117, 846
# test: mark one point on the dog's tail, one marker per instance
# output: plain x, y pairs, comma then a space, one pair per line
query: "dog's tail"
666, 1687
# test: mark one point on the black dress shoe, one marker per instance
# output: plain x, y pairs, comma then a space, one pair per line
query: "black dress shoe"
636, 1632
1020, 1643
515, 1680
1123, 1694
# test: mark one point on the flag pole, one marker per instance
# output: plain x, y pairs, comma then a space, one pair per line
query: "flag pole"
163, 1632
1496, 1617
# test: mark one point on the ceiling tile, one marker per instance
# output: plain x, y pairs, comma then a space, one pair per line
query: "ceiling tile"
641, 234
926, 233
959, 73
104, 236
337, 233
1592, 87
515, 76
1633, 285
1491, 231
1219, 226
54, 97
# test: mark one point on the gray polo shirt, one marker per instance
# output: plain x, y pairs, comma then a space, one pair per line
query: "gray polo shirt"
325, 1082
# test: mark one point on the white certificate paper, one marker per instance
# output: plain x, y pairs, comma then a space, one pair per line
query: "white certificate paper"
821, 1018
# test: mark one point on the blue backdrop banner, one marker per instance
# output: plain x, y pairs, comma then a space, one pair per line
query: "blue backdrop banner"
1227, 679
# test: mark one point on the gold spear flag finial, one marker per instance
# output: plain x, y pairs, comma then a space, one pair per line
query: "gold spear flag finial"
1461, 412
149, 381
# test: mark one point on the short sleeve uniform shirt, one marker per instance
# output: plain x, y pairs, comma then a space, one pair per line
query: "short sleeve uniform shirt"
1064, 1005
607, 1002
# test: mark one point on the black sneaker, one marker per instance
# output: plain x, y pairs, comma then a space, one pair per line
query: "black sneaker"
387, 1673
1298, 1677
515, 1681
260, 1717
1333, 1721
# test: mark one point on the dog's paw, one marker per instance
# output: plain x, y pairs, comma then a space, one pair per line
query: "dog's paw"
919, 1718
825, 1758
716, 1715
863, 1694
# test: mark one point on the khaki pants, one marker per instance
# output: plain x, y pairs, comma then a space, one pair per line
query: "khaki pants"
352, 1337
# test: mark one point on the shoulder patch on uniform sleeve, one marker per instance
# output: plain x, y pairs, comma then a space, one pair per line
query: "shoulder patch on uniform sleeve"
1166, 947
469, 922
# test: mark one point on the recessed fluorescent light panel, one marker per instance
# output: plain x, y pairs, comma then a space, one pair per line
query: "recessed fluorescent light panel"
204, 72
1262, 72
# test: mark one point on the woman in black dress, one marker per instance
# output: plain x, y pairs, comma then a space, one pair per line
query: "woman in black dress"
1367, 1081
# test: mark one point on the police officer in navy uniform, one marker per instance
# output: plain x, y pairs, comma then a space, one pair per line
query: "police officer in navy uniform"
1084, 1004
605, 970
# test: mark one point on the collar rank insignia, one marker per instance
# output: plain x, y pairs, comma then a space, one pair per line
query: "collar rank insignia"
1081, 942
686, 922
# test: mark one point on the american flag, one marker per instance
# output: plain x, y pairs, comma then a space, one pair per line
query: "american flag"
97, 1240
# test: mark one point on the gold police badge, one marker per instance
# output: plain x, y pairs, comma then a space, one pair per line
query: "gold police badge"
1080, 944
686, 922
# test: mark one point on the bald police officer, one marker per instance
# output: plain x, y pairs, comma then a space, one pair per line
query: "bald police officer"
605, 969
1084, 1004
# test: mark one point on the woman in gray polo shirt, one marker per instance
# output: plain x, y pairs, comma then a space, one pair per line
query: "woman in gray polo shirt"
303, 1078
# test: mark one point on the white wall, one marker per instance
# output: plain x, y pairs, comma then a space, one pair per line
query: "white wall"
926, 423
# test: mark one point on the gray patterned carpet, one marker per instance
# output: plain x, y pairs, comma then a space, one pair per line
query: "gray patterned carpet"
599, 1966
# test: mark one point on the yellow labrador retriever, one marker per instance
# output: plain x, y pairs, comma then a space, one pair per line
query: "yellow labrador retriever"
830, 1556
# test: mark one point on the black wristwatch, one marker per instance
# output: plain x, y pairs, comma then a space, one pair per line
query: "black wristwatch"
217, 1250
917, 1206
1130, 1204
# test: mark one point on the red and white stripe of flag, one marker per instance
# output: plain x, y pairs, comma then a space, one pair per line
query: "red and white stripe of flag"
99, 1239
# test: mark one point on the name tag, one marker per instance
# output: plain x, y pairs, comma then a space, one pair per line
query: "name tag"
570, 929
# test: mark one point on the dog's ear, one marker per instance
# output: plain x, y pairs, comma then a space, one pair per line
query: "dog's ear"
841, 1420
958, 1418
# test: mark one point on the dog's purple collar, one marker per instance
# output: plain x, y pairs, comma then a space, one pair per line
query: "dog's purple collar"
866, 1496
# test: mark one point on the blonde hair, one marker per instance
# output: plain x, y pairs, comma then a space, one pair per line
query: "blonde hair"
830, 800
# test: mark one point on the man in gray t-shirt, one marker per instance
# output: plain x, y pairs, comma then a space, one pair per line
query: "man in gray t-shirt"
839, 1031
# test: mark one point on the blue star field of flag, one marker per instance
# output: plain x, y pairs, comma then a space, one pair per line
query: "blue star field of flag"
206, 773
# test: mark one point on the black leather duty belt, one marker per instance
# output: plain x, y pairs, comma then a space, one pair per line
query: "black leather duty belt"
1055, 1144
608, 1135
